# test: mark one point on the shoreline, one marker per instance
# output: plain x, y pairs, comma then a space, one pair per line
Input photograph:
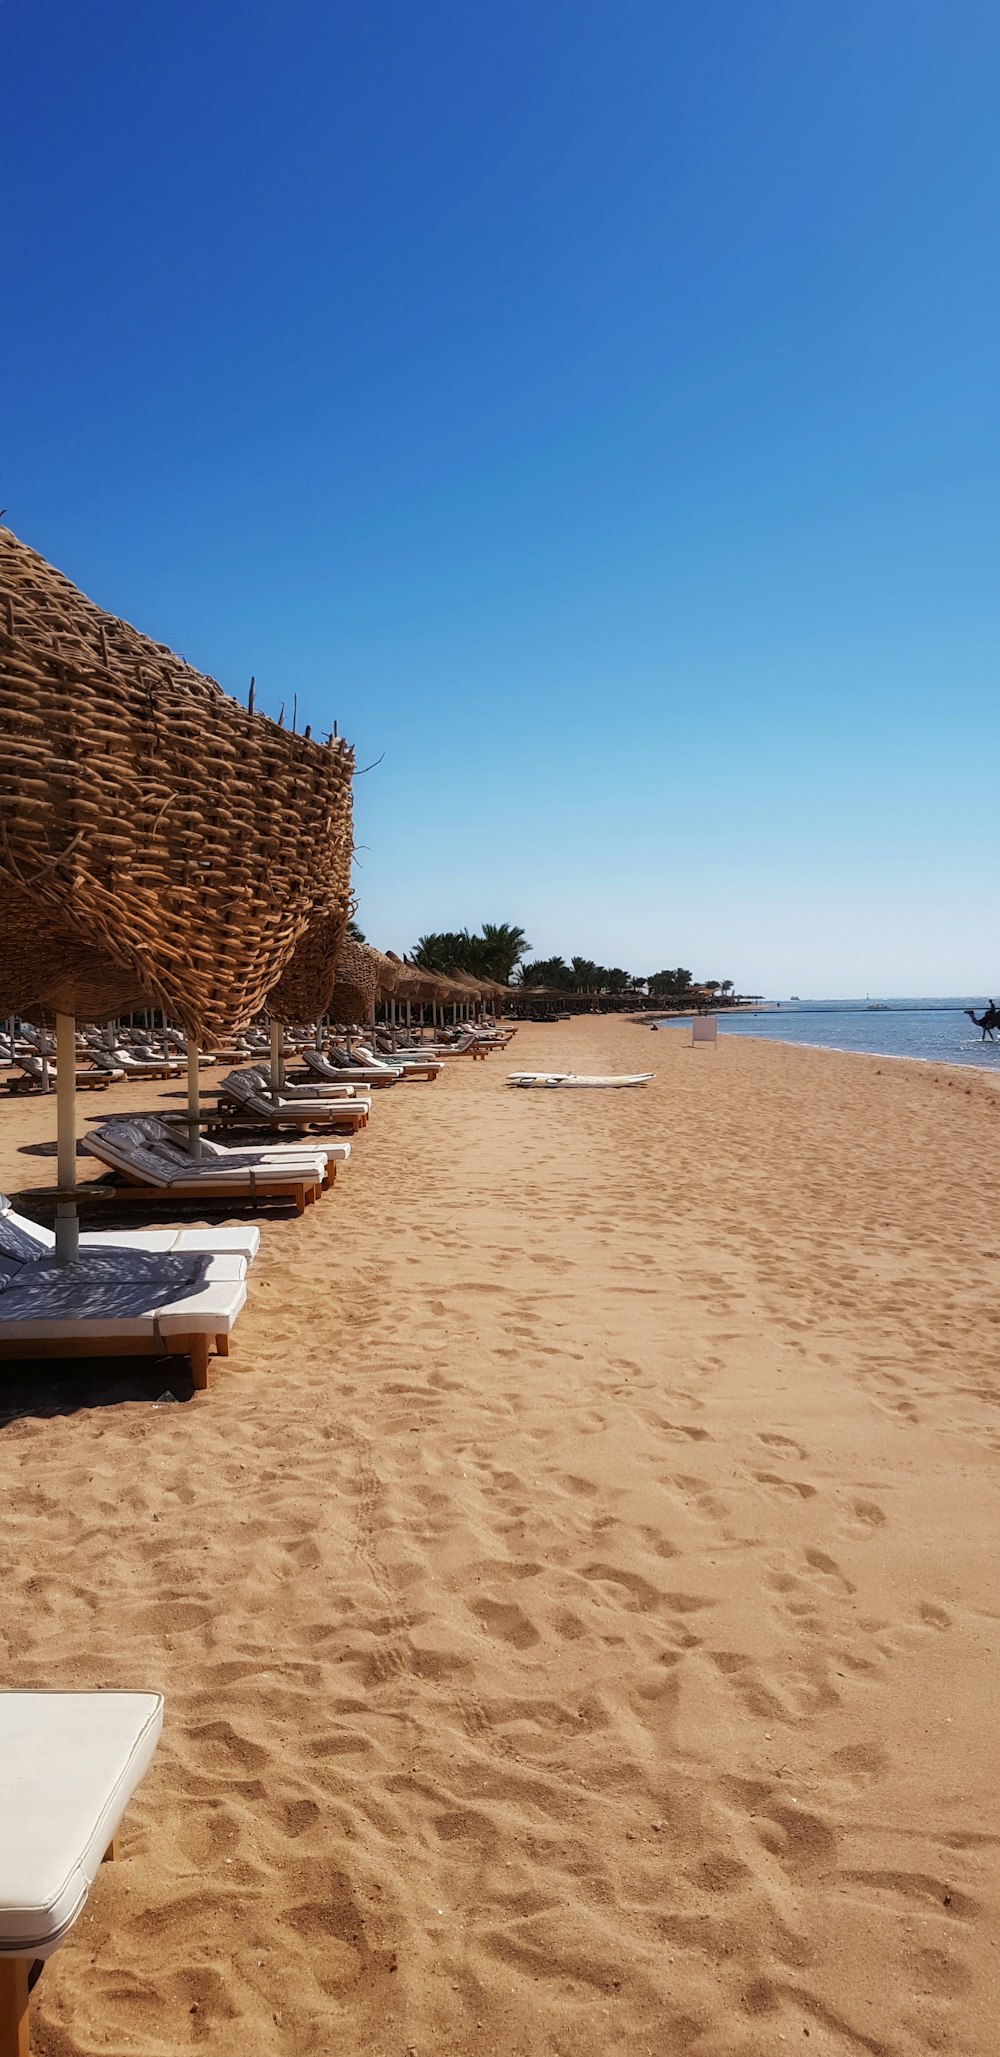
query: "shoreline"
875, 1056
572, 1597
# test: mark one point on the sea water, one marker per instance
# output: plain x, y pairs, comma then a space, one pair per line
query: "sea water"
936, 1030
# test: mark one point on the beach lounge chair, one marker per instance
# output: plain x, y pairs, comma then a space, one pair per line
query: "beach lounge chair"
121, 1303
126, 1064
405, 1066
24, 1240
245, 1096
148, 1128
69, 1765
341, 1067
705, 1028
466, 1043
143, 1173
86, 1080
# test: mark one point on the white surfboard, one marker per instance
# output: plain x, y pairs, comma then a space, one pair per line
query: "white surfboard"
572, 1078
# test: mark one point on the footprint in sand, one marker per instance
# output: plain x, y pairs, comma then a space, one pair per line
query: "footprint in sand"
933, 1616
508, 1621
818, 1560
776, 1442
869, 1513
794, 1486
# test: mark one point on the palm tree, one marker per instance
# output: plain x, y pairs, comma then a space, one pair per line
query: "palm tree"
493, 954
503, 945
547, 971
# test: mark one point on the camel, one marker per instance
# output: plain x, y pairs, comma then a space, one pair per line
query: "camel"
988, 1021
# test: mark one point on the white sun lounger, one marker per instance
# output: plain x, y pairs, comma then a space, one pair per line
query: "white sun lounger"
145, 1067
145, 1174
307, 1089
122, 1304
244, 1096
403, 1063
148, 1128
69, 1765
347, 1076
467, 1044
86, 1080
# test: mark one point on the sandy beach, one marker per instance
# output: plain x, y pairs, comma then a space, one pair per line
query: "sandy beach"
574, 1598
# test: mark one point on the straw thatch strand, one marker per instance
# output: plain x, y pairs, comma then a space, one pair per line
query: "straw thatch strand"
184, 844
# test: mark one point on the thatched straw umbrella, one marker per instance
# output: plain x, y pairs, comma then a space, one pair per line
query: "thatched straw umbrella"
360, 976
415, 985
158, 842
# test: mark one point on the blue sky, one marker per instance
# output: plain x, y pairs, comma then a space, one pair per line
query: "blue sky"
592, 407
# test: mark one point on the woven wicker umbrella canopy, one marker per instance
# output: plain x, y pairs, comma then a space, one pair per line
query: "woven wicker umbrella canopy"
305, 988
183, 844
157, 842
360, 975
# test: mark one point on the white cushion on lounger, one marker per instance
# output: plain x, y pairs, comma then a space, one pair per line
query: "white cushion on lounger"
314, 1089
278, 1153
253, 1093
69, 1764
181, 1242
129, 1153
58, 1302
161, 1138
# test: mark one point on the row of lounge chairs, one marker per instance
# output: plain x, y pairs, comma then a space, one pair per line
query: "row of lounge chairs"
182, 1296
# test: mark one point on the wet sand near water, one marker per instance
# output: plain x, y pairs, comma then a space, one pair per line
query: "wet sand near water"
575, 1598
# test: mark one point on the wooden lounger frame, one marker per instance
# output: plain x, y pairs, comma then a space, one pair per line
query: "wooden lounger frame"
236, 1114
18, 1977
253, 1186
197, 1347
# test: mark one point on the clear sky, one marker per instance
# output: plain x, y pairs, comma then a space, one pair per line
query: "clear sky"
591, 406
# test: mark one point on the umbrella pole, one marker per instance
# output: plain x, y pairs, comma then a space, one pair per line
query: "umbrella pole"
194, 1099
277, 1035
67, 1218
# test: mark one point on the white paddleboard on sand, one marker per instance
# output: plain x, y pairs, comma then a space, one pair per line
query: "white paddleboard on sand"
574, 1078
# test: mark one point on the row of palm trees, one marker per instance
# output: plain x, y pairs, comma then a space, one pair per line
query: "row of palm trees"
499, 951
582, 975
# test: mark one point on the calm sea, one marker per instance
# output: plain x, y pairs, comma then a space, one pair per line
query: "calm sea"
936, 1030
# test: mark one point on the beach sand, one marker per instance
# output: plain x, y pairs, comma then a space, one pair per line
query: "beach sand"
574, 1599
